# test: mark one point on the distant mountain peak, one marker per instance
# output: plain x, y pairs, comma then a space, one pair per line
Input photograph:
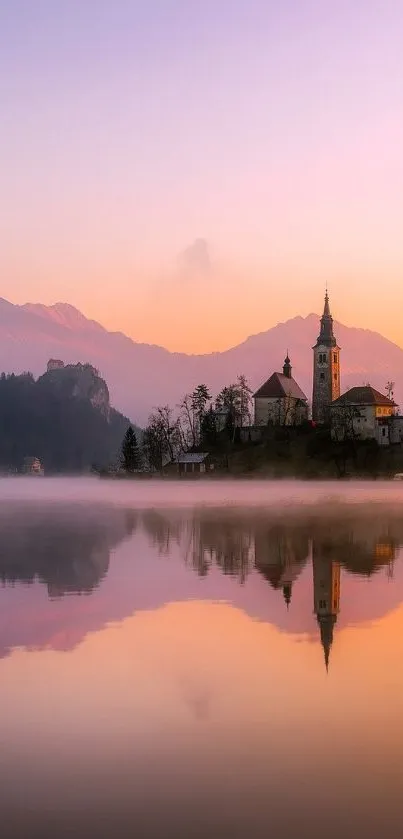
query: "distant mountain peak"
141, 376
64, 314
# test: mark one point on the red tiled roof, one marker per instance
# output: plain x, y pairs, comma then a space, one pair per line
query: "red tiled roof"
279, 386
365, 395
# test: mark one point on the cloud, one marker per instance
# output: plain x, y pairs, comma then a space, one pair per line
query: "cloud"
196, 258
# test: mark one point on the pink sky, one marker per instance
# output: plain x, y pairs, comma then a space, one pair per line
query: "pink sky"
271, 132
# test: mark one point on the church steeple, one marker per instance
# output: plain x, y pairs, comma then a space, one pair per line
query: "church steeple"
326, 336
287, 367
326, 367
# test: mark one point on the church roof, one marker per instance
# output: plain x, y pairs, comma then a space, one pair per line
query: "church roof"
365, 395
279, 386
192, 457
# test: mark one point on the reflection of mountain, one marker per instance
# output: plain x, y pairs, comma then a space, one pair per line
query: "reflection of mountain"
67, 549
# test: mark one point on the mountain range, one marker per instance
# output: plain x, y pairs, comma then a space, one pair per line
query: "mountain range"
141, 376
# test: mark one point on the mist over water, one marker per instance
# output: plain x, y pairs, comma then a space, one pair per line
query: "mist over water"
193, 493
200, 658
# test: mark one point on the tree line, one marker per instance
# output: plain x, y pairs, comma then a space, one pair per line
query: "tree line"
197, 421
42, 419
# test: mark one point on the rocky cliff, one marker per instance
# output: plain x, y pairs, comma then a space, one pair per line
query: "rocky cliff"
80, 381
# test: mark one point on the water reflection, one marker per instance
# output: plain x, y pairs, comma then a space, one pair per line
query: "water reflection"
65, 548
362, 542
187, 693
68, 548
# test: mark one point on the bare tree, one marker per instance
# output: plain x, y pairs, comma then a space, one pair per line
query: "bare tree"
154, 444
168, 428
344, 422
389, 389
244, 399
187, 423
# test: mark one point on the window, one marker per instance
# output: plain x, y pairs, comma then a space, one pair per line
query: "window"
322, 604
335, 376
384, 432
324, 357
322, 376
335, 357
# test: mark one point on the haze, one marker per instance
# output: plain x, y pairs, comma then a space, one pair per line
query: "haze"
191, 173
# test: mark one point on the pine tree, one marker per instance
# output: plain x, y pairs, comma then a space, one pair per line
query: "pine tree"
130, 458
209, 428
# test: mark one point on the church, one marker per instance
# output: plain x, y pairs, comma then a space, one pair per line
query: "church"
362, 412
280, 400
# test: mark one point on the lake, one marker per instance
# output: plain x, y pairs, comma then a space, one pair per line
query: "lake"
201, 659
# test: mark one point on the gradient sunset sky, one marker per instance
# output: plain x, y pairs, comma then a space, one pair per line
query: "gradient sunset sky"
193, 172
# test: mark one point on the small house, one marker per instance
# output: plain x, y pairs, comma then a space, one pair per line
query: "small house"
194, 462
33, 466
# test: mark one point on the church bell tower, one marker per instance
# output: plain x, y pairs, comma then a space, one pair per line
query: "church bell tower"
326, 368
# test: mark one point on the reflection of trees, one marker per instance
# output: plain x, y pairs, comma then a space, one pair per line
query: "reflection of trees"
67, 548
225, 542
204, 540
278, 546
362, 544
163, 530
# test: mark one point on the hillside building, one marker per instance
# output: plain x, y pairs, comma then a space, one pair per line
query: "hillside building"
280, 400
54, 364
363, 413
326, 368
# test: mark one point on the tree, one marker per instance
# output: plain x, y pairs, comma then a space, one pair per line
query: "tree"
244, 399
389, 389
187, 423
169, 428
154, 444
66, 432
200, 397
344, 422
209, 428
130, 456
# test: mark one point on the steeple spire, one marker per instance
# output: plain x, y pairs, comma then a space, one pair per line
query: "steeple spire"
287, 367
326, 624
287, 591
326, 337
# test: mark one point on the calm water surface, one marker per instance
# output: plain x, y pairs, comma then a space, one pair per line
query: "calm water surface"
201, 659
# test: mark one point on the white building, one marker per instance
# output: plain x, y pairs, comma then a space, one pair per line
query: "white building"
362, 413
280, 400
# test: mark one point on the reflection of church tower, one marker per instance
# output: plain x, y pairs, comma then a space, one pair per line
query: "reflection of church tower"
326, 593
